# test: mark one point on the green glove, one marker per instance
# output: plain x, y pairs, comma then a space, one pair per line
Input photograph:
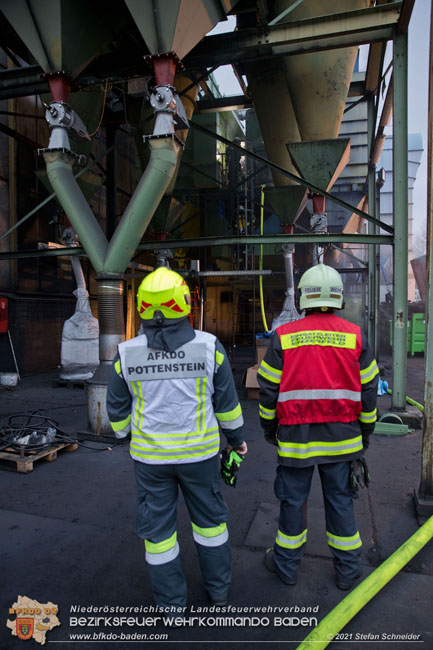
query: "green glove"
230, 463
359, 474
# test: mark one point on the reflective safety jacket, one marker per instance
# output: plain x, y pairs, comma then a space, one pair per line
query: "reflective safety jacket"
319, 378
174, 402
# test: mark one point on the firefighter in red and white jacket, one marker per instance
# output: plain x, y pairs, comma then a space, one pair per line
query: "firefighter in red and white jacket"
318, 393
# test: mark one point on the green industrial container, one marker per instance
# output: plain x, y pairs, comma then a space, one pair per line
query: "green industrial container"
415, 334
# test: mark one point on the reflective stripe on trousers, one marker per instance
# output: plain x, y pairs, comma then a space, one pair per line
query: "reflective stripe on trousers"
344, 543
212, 536
162, 552
291, 541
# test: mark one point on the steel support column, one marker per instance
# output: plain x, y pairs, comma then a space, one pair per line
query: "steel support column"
425, 495
400, 207
13, 198
371, 227
377, 280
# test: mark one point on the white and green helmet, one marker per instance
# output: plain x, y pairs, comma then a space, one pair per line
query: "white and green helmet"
321, 286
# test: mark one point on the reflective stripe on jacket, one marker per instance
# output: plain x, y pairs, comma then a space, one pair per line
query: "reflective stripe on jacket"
320, 380
172, 419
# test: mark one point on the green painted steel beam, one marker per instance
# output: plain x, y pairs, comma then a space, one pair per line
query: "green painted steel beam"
214, 241
211, 241
285, 13
297, 179
267, 239
371, 196
425, 494
400, 203
298, 37
28, 80
42, 252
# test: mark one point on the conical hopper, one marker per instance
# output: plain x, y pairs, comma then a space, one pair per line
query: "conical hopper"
287, 202
322, 161
319, 82
63, 35
275, 114
176, 25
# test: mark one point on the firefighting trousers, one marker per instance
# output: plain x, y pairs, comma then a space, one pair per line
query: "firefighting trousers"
158, 489
292, 487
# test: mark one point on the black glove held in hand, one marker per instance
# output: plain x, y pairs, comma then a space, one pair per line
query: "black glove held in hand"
270, 427
271, 438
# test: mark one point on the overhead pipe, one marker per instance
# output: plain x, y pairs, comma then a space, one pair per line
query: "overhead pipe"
146, 198
289, 312
68, 192
78, 272
111, 259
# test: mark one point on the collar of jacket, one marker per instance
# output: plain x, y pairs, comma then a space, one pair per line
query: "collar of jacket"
169, 336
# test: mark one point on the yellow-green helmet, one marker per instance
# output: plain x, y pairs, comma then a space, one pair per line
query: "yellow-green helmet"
165, 291
321, 286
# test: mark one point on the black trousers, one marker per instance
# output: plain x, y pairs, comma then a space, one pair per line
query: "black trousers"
292, 487
158, 489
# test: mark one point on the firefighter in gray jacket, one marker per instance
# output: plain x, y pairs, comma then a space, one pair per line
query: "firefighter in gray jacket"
172, 388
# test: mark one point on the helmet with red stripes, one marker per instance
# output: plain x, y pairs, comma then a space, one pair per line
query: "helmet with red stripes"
163, 291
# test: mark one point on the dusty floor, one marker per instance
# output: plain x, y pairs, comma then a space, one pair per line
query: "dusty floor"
67, 537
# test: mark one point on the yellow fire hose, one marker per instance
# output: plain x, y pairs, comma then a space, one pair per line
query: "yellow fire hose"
411, 401
262, 304
327, 629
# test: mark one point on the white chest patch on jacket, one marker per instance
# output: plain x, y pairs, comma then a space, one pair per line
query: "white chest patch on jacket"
145, 364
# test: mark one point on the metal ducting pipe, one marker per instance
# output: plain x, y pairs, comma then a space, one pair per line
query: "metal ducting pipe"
110, 315
78, 272
72, 200
111, 333
150, 190
289, 312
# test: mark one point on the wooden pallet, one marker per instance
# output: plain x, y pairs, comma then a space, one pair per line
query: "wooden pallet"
63, 383
24, 460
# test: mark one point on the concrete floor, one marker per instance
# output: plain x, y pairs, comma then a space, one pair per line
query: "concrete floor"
67, 536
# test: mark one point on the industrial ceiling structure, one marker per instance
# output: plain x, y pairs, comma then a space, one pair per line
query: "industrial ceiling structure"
143, 67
